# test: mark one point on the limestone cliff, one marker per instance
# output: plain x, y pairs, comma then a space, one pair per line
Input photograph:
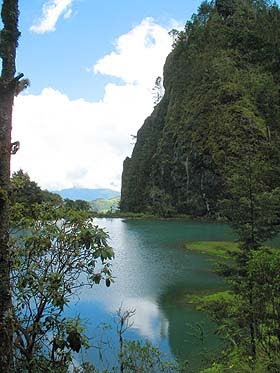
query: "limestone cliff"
221, 88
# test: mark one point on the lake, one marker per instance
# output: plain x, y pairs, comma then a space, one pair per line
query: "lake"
152, 272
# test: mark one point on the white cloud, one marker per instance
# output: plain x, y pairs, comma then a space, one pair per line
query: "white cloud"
139, 55
67, 143
68, 13
52, 10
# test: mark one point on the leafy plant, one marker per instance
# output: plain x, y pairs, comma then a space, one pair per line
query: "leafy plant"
52, 258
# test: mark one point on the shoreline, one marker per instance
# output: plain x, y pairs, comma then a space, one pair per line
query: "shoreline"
218, 249
139, 215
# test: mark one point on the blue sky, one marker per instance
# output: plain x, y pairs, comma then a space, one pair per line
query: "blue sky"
92, 66
59, 58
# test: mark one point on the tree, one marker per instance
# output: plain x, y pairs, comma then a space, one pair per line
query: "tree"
225, 7
158, 90
8, 86
251, 204
79, 204
134, 356
53, 257
263, 271
26, 193
253, 198
256, 298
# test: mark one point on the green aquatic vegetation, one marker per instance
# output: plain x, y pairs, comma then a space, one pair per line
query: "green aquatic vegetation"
207, 300
223, 249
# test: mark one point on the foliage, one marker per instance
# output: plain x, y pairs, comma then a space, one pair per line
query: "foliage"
143, 357
128, 215
133, 356
136, 356
53, 257
252, 201
211, 148
251, 205
102, 205
25, 193
254, 305
124, 323
263, 286
221, 103
79, 205
223, 249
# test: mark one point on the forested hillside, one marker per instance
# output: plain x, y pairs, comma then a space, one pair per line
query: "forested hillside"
218, 123
87, 194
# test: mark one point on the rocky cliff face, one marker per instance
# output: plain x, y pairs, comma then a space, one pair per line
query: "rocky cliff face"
221, 96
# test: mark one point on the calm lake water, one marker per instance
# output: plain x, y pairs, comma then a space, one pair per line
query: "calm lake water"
152, 272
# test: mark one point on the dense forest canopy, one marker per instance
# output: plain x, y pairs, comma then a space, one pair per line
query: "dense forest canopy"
219, 115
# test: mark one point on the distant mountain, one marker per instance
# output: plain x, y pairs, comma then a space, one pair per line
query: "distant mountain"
104, 205
87, 194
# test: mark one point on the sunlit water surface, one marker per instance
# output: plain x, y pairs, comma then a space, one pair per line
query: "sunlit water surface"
152, 272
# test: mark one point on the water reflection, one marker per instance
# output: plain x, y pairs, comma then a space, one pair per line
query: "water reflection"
151, 269
191, 335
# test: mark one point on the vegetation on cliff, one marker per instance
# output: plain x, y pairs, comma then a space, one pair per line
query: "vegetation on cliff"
218, 121
211, 148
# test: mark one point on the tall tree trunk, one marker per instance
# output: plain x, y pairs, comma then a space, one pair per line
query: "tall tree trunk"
8, 44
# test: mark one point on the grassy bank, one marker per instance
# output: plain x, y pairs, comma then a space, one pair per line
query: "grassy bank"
222, 249
219, 250
208, 300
